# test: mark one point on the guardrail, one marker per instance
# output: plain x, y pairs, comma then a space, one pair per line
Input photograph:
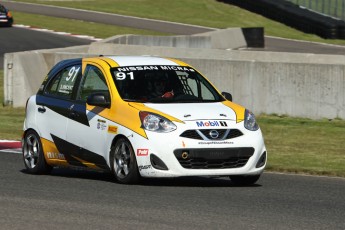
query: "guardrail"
333, 8
295, 16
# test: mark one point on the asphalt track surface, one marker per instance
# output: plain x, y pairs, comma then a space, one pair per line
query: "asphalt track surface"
72, 199
15, 39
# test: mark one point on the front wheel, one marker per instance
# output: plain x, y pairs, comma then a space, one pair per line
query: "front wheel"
123, 162
244, 180
33, 154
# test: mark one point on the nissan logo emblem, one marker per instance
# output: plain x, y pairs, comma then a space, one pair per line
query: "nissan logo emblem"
214, 134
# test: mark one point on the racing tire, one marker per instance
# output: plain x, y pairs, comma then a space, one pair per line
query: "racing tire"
243, 180
123, 162
33, 156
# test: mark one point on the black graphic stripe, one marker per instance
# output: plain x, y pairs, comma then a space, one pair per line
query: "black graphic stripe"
73, 153
70, 109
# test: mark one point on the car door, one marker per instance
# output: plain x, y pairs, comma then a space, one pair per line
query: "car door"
53, 105
87, 130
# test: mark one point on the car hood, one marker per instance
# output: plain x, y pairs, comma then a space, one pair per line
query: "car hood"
200, 111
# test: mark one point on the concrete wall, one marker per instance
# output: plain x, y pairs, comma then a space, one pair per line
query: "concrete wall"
303, 90
302, 85
25, 71
218, 39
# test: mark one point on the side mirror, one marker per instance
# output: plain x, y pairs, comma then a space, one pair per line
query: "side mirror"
98, 99
227, 96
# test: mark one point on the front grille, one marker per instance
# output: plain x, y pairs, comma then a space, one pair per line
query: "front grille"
221, 132
191, 134
213, 158
204, 134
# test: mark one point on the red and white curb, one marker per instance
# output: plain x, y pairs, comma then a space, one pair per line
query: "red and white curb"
59, 33
10, 146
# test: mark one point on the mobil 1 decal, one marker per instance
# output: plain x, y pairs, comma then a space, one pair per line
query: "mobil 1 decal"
211, 123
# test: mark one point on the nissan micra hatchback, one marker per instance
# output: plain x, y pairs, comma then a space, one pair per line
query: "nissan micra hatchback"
139, 117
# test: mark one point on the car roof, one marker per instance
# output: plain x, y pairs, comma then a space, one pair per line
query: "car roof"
141, 60
120, 61
61, 64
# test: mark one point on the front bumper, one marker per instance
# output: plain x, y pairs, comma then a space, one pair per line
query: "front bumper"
170, 155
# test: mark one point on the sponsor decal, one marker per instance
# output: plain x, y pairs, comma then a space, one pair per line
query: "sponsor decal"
112, 129
215, 142
211, 123
52, 155
154, 67
101, 124
136, 68
65, 89
177, 68
142, 152
223, 123
144, 167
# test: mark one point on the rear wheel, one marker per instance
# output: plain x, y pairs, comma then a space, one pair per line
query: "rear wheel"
33, 154
245, 180
123, 162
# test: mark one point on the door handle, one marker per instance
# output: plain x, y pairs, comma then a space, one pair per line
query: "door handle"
41, 109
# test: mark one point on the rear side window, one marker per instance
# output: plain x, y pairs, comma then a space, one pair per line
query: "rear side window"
62, 84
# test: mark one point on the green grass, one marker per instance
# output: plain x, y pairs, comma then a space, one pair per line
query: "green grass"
11, 123
11, 119
209, 13
77, 27
304, 145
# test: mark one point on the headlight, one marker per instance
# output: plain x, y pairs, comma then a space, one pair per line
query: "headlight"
249, 121
156, 123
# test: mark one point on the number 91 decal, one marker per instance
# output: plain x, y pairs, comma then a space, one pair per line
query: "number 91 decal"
72, 73
122, 76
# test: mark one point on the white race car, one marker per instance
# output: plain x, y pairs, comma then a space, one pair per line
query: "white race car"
139, 116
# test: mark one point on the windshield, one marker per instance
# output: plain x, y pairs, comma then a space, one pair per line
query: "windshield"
2, 10
163, 84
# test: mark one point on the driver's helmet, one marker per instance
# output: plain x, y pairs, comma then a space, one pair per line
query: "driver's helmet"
158, 82
159, 86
